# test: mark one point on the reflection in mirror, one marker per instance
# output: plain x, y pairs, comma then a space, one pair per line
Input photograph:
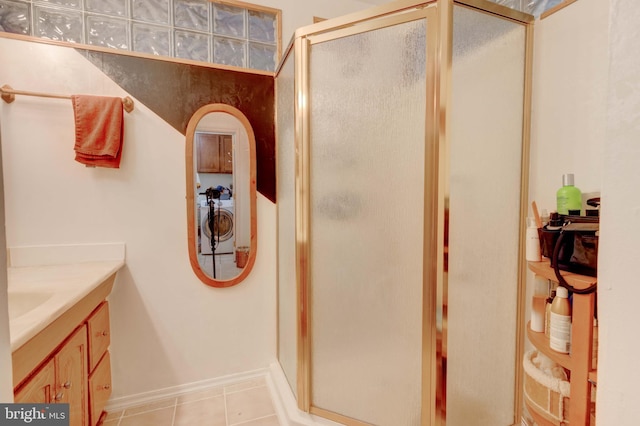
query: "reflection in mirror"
221, 195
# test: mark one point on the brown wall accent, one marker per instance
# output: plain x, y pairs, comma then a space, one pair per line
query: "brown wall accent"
175, 91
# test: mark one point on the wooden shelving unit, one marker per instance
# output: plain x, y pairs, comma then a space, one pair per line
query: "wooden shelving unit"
579, 362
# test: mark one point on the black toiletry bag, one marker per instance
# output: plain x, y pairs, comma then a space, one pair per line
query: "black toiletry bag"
576, 249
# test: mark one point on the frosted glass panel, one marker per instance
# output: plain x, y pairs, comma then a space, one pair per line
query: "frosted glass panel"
287, 319
486, 147
367, 106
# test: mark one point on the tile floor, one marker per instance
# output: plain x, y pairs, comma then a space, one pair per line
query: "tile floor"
246, 403
225, 265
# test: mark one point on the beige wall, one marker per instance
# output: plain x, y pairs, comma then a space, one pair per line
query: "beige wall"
569, 100
6, 391
619, 292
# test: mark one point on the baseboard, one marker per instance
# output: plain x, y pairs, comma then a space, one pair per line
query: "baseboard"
118, 404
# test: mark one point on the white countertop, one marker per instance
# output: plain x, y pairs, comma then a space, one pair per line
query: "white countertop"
51, 290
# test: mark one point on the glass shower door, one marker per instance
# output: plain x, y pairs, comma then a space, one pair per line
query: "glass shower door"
367, 153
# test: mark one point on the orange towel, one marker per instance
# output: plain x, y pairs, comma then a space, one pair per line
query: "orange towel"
99, 125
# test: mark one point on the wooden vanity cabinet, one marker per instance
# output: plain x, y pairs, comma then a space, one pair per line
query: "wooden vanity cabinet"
63, 379
77, 371
214, 153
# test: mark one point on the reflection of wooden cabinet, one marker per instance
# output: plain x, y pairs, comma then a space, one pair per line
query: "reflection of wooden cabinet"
582, 360
78, 372
63, 379
214, 153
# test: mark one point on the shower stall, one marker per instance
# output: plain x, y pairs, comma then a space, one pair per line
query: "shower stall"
402, 152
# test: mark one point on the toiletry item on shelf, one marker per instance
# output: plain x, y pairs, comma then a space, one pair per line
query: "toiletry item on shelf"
569, 198
560, 330
533, 241
540, 291
547, 314
544, 217
549, 234
555, 222
536, 215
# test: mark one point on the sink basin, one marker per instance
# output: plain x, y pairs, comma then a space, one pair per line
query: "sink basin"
22, 302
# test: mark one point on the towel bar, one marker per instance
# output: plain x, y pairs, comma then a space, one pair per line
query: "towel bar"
9, 95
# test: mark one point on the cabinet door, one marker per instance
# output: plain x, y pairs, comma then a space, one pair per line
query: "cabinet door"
39, 388
226, 155
99, 339
100, 388
71, 377
208, 153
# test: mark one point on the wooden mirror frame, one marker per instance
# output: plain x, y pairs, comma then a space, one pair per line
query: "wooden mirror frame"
191, 196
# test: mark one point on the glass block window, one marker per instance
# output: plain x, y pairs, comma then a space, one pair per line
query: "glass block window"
232, 34
533, 7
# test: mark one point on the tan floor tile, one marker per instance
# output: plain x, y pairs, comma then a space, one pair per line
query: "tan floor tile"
199, 395
162, 417
207, 411
247, 384
264, 421
112, 422
248, 405
155, 405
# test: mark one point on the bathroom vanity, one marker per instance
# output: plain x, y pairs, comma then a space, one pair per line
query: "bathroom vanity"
59, 322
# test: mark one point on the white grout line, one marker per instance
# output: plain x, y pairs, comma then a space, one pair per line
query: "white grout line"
175, 400
226, 412
244, 389
257, 418
175, 408
204, 398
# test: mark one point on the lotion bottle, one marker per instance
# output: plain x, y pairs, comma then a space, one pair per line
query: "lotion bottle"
533, 241
568, 197
547, 313
560, 330
540, 291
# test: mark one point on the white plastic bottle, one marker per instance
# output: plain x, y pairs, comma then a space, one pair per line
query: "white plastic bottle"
540, 291
560, 329
533, 241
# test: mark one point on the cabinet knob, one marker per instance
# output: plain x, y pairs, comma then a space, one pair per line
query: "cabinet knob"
67, 385
104, 333
59, 396
106, 387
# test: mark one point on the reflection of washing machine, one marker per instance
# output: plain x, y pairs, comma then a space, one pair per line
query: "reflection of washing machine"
222, 228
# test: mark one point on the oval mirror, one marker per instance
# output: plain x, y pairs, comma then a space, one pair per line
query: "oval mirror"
221, 195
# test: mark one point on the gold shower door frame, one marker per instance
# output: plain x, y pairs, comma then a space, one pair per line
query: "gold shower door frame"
439, 14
